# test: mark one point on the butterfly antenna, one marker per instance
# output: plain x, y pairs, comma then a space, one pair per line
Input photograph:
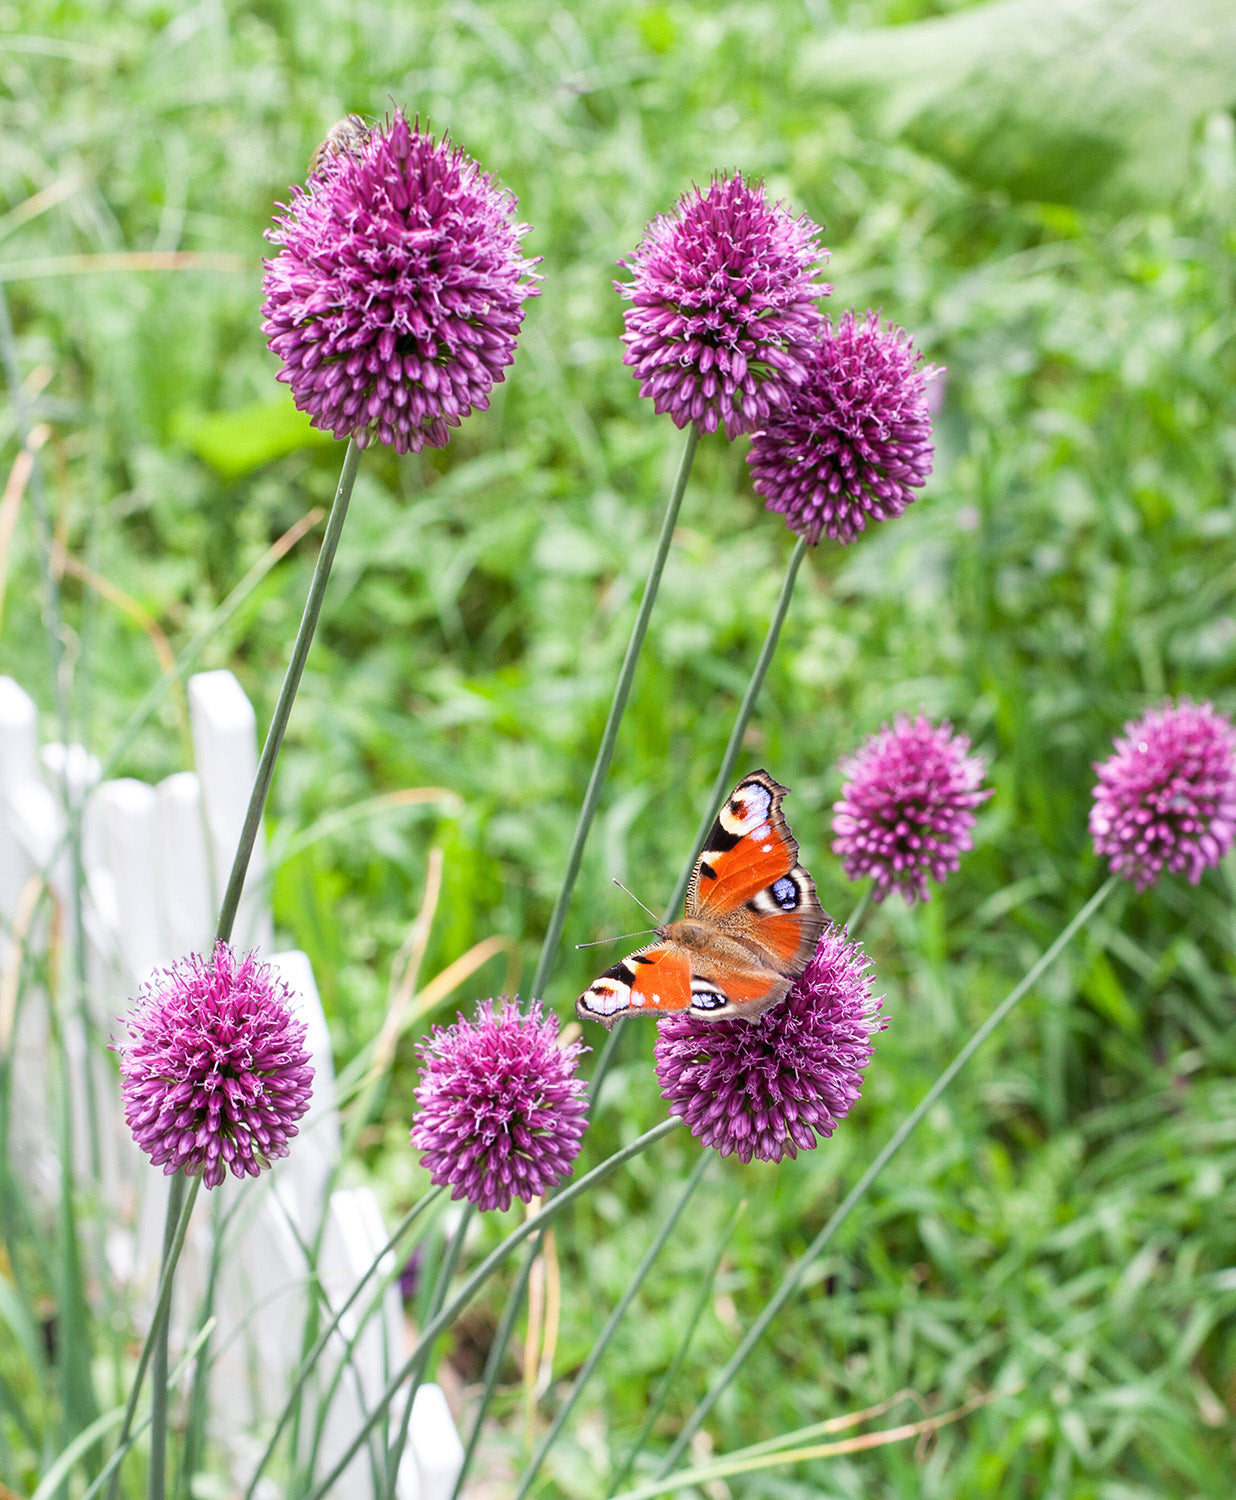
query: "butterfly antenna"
620, 938
636, 899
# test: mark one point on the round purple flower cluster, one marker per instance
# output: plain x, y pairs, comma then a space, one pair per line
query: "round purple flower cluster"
214, 1073
723, 312
768, 1088
853, 442
396, 298
1166, 797
907, 807
502, 1110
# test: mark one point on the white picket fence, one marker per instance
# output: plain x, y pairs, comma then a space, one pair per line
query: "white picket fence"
155, 858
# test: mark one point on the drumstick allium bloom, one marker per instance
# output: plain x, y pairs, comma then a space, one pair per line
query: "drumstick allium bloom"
853, 442
502, 1108
907, 807
1166, 797
768, 1088
397, 294
723, 314
214, 1073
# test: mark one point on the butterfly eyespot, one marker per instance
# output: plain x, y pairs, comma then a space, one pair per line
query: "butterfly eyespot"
707, 1000
785, 893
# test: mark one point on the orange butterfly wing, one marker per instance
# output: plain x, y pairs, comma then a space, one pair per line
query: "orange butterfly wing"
655, 980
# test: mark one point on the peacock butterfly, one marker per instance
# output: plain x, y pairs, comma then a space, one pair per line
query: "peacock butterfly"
752, 921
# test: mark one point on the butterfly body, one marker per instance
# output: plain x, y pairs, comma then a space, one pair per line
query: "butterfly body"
752, 921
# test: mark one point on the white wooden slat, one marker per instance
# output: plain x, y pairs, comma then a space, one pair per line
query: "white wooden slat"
19, 766
435, 1444
188, 912
315, 1150
261, 1302
125, 817
225, 749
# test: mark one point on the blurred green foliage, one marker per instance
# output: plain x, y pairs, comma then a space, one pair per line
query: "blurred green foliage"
1064, 1223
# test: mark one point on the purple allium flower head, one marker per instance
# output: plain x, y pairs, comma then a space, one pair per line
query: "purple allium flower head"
907, 806
854, 441
1167, 796
502, 1110
723, 315
396, 298
769, 1087
214, 1072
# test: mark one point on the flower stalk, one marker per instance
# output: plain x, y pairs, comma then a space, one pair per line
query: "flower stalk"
791, 1281
622, 691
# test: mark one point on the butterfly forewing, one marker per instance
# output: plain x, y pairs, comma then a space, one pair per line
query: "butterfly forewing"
749, 847
656, 980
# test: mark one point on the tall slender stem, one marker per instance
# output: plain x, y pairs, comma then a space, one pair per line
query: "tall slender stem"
792, 1279
157, 1338
725, 772
493, 1360
860, 910
171, 1253
721, 784
611, 1325
287, 694
156, 1487
450, 1262
417, 1359
592, 796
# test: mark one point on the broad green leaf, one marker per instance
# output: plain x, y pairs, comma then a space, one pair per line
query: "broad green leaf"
1090, 102
236, 442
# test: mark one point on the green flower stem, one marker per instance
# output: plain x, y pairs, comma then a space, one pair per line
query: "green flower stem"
416, 1361
177, 1226
287, 694
682, 1345
611, 1325
227, 914
724, 780
63, 1466
622, 689
859, 912
156, 1486
497, 1352
309, 1363
721, 785
793, 1277
447, 1269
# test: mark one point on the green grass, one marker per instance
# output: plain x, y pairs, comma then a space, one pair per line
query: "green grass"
1063, 1225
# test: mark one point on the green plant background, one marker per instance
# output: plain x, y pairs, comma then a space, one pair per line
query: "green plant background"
1064, 1224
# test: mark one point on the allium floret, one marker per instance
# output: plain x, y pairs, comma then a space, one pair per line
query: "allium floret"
769, 1088
1166, 797
396, 298
502, 1109
214, 1072
854, 441
907, 807
723, 312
